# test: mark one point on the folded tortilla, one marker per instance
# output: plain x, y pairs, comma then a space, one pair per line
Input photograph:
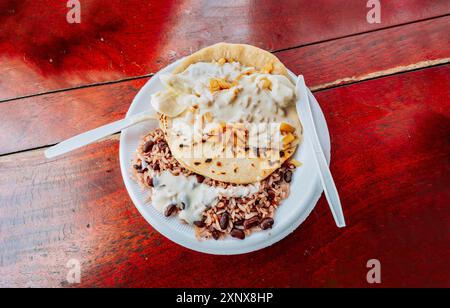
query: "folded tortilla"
236, 170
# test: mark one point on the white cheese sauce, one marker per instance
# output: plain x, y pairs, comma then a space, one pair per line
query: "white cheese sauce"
248, 101
190, 196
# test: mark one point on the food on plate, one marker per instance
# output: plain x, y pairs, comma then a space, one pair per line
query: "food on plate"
224, 163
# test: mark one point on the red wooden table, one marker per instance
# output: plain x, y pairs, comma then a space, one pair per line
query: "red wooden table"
384, 88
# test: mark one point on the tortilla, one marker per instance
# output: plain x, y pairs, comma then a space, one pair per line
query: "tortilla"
238, 170
246, 54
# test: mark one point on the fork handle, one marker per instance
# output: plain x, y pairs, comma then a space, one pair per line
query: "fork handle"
96, 134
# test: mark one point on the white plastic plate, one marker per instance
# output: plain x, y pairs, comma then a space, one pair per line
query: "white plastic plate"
305, 186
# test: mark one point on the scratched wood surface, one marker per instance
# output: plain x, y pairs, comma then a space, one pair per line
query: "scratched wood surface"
40, 51
384, 89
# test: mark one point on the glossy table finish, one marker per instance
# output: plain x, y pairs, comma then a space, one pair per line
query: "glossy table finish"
384, 89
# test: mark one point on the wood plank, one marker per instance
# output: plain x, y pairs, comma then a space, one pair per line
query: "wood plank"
390, 159
372, 55
44, 120
40, 51
48, 119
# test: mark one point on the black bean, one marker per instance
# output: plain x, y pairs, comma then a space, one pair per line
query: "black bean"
156, 167
199, 224
170, 210
223, 222
162, 145
148, 146
239, 222
266, 223
237, 233
215, 234
200, 178
251, 222
150, 181
271, 195
287, 176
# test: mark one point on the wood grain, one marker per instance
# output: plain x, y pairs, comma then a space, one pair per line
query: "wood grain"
41, 52
371, 55
47, 119
390, 159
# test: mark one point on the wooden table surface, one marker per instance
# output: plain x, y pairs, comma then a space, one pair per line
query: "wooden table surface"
384, 89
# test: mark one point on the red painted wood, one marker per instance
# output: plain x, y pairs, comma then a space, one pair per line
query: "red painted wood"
371, 55
40, 51
43, 120
390, 159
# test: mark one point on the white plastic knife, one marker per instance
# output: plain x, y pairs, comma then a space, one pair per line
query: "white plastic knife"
305, 113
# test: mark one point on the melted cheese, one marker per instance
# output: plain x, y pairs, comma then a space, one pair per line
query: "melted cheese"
190, 196
249, 100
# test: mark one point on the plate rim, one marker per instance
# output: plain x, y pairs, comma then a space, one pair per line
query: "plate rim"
294, 222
